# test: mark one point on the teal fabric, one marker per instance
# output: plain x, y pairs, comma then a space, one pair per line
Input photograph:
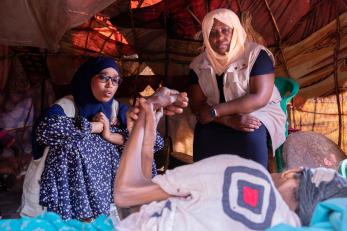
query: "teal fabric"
52, 221
288, 88
328, 215
343, 168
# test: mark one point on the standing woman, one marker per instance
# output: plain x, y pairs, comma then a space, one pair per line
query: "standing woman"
233, 94
85, 140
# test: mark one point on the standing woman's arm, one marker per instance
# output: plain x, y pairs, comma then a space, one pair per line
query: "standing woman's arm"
261, 83
259, 95
198, 100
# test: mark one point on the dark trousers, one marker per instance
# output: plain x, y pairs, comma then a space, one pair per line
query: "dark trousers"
213, 139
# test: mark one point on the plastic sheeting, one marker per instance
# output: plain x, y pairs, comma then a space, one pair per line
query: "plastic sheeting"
295, 19
43, 23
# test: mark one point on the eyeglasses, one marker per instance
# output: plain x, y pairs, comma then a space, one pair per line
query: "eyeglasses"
115, 80
223, 30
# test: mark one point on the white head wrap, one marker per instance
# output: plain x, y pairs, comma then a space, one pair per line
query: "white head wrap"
221, 62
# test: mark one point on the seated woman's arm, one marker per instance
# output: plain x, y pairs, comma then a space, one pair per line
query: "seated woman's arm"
119, 130
113, 138
56, 127
117, 136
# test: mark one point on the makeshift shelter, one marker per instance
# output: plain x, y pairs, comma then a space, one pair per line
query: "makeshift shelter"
154, 41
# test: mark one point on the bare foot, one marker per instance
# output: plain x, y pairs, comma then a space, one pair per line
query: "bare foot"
172, 101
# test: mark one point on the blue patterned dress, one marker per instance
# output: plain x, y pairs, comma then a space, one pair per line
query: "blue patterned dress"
77, 181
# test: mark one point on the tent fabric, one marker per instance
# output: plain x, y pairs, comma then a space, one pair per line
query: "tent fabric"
295, 19
43, 23
311, 61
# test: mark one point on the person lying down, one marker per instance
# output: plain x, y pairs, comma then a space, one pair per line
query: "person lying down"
217, 193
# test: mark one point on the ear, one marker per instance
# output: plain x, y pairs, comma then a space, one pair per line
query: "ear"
330, 161
290, 172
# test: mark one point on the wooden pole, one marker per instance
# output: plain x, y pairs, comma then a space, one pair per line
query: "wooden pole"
140, 4
86, 42
105, 41
239, 6
284, 61
337, 89
133, 30
166, 68
278, 38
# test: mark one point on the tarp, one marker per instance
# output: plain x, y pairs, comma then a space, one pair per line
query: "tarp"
43, 23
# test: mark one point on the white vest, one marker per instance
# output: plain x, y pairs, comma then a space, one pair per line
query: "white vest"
236, 84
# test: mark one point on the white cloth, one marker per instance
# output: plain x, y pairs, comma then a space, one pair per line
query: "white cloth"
31, 187
322, 175
226, 192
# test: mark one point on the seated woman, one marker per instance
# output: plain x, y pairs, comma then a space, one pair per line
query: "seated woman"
85, 141
233, 94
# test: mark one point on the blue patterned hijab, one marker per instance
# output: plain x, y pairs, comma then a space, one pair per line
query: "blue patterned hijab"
87, 104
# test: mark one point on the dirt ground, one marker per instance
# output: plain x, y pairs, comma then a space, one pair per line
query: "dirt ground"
10, 200
12, 171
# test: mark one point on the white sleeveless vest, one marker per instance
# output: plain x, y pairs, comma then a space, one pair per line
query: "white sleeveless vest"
236, 84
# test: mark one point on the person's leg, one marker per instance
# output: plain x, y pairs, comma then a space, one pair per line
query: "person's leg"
253, 145
130, 166
164, 99
133, 185
209, 140
213, 139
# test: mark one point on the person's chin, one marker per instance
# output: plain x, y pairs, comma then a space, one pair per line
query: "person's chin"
105, 99
222, 50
